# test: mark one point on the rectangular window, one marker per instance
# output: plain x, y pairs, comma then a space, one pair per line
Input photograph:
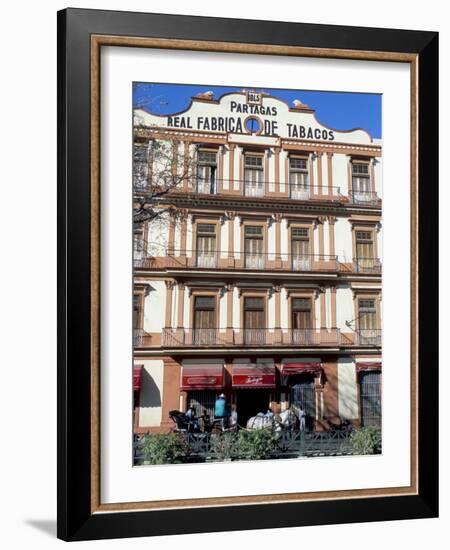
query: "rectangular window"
364, 249
253, 175
301, 321
301, 313
206, 245
361, 188
254, 247
254, 321
298, 178
206, 172
368, 331
367, 314
204, 320
300, 249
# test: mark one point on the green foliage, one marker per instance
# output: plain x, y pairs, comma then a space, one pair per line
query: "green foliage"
163, 449
223, 445
365, 440
255, 444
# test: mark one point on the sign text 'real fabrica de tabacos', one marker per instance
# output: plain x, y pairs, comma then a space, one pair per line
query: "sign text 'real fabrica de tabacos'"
265, 123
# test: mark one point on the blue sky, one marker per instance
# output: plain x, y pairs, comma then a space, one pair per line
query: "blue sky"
340, 110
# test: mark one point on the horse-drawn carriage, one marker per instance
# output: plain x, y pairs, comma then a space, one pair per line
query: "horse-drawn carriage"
290, 419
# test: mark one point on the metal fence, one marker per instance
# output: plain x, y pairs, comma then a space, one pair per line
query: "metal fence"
207, 447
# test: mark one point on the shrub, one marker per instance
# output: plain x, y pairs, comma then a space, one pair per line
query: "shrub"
162, 449
223, 445
365, 440
255, 444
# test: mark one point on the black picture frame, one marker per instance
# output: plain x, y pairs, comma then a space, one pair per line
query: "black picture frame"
75, 477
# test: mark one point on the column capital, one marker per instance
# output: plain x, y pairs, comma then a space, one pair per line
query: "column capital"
332, 219
183, 214
229, 214
170, 285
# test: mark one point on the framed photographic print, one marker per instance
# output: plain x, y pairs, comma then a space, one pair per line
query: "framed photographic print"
247, 274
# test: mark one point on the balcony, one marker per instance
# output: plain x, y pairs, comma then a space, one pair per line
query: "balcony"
189, 259
213, 337
262, 189
368, 337
364, 198
367, 265
141, 339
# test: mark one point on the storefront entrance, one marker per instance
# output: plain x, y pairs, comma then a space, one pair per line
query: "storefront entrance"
303, 395
250, 402
370, 397
203, 401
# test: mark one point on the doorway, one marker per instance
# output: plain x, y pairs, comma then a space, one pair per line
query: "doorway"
303, 395
370, 398
250, 402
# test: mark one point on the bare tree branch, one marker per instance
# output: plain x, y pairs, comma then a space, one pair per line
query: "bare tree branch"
159, 167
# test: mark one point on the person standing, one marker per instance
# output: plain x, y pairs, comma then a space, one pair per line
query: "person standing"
220, 410
234, 417
302, 418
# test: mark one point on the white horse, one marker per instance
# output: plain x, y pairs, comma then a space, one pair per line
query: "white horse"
286, 419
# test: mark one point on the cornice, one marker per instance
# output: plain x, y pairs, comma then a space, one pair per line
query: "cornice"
274, 204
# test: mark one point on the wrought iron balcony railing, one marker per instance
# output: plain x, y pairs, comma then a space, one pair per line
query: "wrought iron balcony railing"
141, 339
245, 187
366, 265
181, 259
368, 337
364, 198
207, 337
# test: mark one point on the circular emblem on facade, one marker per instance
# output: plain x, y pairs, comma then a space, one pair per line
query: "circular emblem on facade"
253, 125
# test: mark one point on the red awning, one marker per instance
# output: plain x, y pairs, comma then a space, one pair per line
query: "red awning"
299, 368
137, 378
201, 377
369, 365
254, 376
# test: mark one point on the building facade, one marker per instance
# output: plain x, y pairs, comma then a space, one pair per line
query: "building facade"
261, 275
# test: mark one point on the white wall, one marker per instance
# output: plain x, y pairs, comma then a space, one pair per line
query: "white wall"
236, 309
155, 307
151, 394
347, 388
223, 310
345, 307
271, 239
284, 239
378, 174
340, 173
343, 240
237, 236
224, 238
189, 236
